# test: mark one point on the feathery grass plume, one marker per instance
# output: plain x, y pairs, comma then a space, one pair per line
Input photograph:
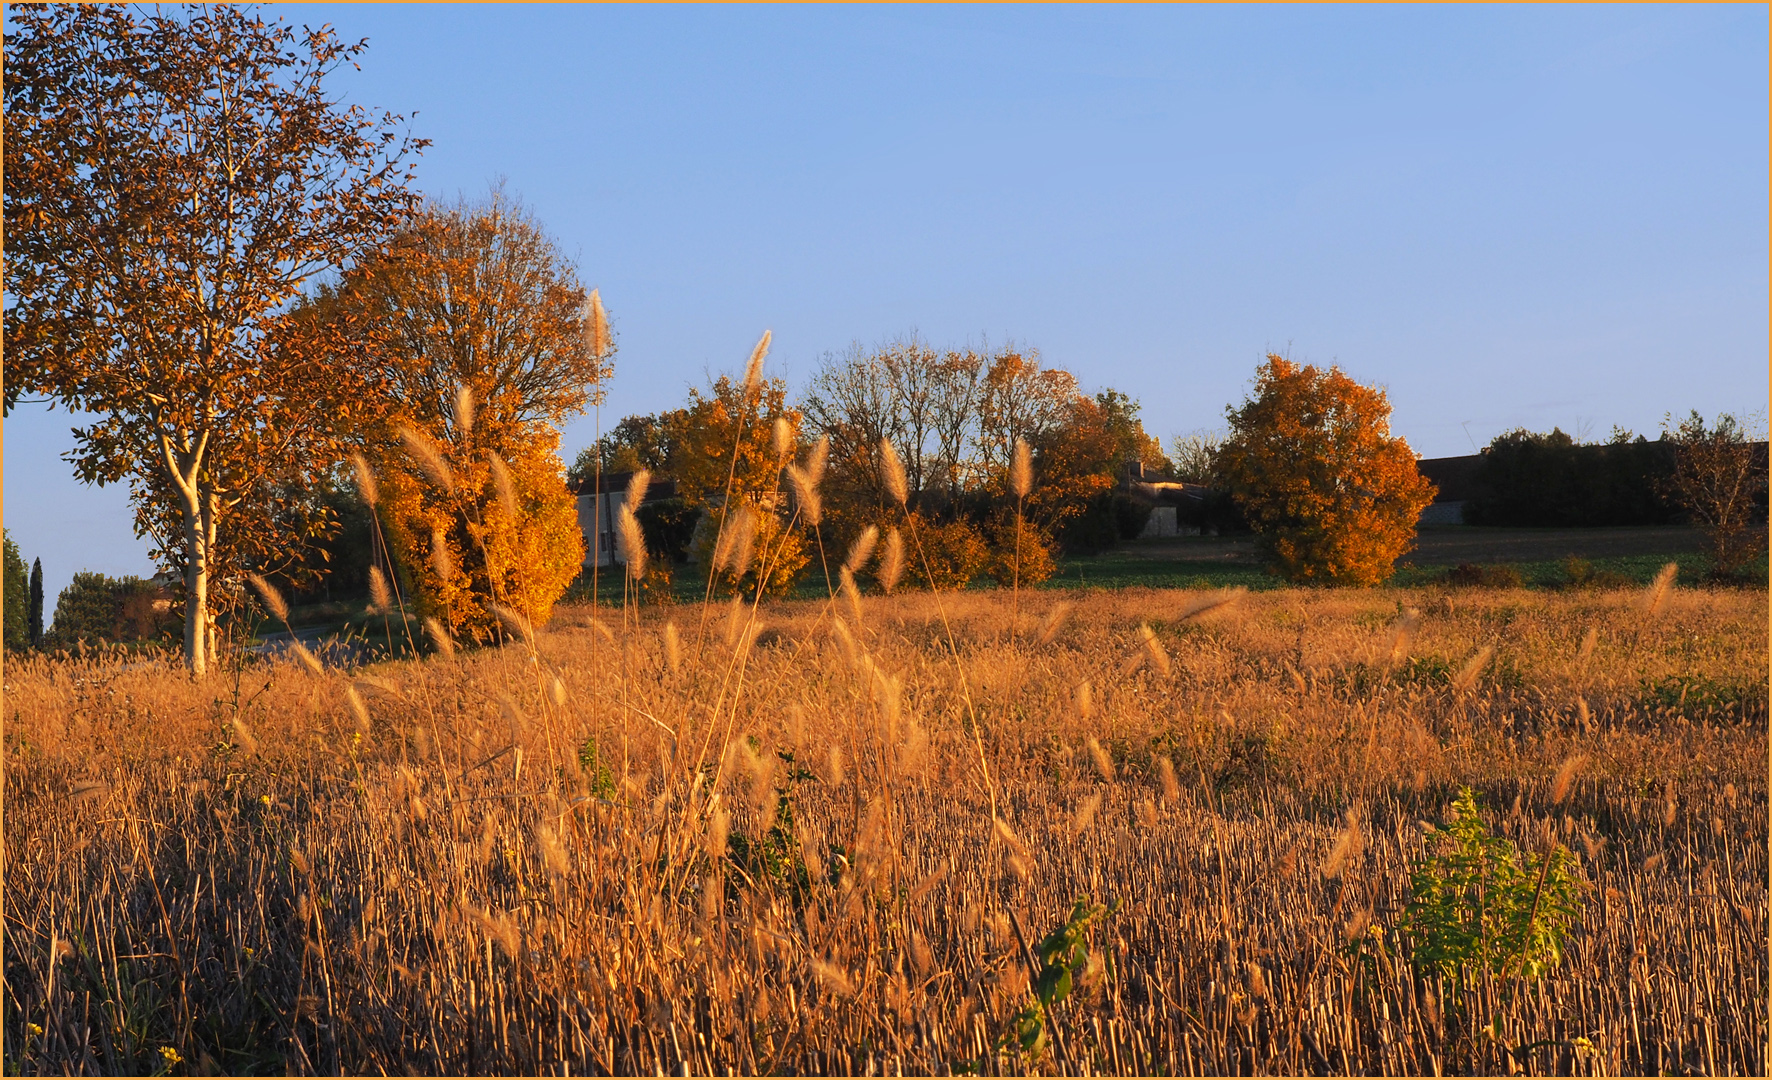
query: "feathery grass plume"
1104, 764
806, 494
557, 692
892, 562
501, 484
515, 622
861, 549
1656, 596
833, 978
1085, 695
1467, 675
1582, 715
428, 458
850, 593
1054, 621
378, 591
1086, 811
845, 640
1588, 641
366, 486
1566, 777
596, 325
308, 659
440, 639
1652, 863
272, 598
833, 766
753, 372
892, 473
673, 648
1670, 810
734, 621
1155, 648
464, 409
359, 711
440, 560
630, 545
243, 736
1223, 598
739, 543
817, 458
1402, 632
1348, 845
636, 494
1021, 470
781, 439
1166, 775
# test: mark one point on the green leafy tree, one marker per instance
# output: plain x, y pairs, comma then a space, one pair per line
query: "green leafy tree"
35, 615
172, 183
17, 598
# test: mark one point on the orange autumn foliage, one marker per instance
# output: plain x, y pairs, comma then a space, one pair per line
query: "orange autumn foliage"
1332, 496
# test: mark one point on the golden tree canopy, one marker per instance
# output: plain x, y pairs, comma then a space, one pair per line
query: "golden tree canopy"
1332, 496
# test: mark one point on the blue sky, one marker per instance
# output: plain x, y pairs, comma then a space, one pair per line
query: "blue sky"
1509, 216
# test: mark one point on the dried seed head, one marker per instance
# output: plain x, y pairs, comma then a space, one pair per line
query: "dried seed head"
515, 622
673, 647
851, 594
782, 440
365, 479
428, 458
1467, 675
1054, 621
440, 638
464, 410
806, 493
892, 562
1566, 777
630, 543
1085, 815
1103, 763
1588, 641
1021, 470
1155, 648
732, 552
1085, 700
272, 598
817, 458
557, 692
596, 325
753, 372
440, 560
359, 711
892, 473
378, 591
1166, 775
637, 485
861, 549
501, 484
1348, 845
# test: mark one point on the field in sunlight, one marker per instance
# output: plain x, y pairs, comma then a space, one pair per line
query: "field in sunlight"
852, 837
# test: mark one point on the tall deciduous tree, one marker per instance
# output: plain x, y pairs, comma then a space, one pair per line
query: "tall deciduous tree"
480, 336
1332, 496
1719, 479
171, 184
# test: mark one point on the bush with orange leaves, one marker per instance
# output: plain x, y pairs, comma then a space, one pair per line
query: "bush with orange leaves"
1332, 496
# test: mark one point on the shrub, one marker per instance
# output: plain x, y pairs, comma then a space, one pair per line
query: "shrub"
956, 553
1477, 903
1130, 516
1331, 495
1035, 563
1578, 573
775, 550
1530, 479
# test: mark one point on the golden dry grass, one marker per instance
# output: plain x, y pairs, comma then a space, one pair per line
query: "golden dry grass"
409, 870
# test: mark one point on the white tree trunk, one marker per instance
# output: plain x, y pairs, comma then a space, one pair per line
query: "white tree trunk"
199, 522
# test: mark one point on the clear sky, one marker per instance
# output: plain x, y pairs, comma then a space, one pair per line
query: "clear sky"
1509, 216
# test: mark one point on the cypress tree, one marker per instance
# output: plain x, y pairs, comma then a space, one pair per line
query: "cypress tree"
36, 613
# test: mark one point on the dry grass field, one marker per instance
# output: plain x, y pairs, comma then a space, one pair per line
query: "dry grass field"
765, 842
